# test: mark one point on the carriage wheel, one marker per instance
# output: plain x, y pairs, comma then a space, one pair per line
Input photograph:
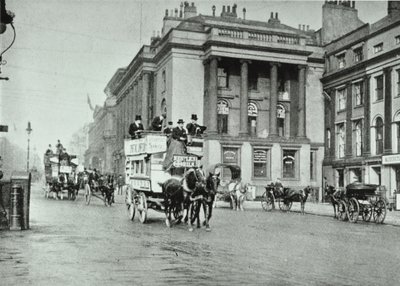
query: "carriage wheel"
266, 202
366, 212
142, 207
379, 211
342, 210
131, 211
353, 210
284, 205
88, 194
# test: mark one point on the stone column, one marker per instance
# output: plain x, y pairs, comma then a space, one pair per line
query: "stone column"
301, 131
145, 100
273, 130
213, 96
367, 117
333, 126
244, 98
388, 111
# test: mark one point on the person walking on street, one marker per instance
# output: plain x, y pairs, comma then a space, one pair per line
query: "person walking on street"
120, 184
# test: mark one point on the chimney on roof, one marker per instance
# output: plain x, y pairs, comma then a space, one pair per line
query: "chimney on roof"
304, 27
228, 9
308, 27
276, 15
394, 8
272, 19
213, 9
299, 26
166, 12
223, 9
180, 11
272, 15
228, 12
176, 12
189, 11
244, 13
234, 9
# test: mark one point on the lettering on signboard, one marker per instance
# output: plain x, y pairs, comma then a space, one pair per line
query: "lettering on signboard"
260, 156
185, 161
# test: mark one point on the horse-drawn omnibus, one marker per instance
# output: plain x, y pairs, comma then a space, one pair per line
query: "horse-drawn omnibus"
60, 175
147, 169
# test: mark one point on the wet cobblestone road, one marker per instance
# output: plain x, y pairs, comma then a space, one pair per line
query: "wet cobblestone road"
74, 244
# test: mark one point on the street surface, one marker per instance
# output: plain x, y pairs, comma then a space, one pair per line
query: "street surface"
73, 244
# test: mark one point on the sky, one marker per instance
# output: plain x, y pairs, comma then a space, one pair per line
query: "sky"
67, 50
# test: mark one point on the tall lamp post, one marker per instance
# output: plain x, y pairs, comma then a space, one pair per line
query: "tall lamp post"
28, 130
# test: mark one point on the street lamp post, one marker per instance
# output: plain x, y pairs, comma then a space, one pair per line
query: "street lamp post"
28, 130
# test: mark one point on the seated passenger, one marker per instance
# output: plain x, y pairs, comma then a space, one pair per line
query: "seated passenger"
136, 128
157, 123
194, 129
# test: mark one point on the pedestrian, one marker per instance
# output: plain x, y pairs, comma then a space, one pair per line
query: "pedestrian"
136, 128
120, 184
157, 123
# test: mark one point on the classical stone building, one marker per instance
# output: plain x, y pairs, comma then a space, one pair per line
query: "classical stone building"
254, 84
362, 106
102, 137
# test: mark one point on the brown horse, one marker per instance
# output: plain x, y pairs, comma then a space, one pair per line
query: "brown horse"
335, 195
298, 196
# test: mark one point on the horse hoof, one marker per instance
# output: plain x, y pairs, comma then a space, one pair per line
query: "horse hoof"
198, 226
208, 228
190, 229
167, 223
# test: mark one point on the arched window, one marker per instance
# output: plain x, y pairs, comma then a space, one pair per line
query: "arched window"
281, 113
222, 116
358, 137
252, 112
379, 135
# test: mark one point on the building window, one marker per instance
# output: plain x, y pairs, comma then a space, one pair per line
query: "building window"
341, 99
253, 79
358, 137
378, 48
260, 159
355, 175
341, 140
328, 138
222, 116
379, 87
398, 82
289, 164
397, 38
340, 177
341, 61
358, 93
252, 112
379, 136
358, 55
313, 165
281, 113
398, 136
223, 78
164, 81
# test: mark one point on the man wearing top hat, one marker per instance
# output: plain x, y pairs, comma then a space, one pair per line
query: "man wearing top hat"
136, 128
179, 133
168, 130
194, 129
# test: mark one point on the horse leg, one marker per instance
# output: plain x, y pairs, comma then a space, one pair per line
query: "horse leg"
302, 204
190, 210
167, 211
198, 214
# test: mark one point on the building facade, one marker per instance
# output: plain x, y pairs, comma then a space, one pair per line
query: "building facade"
255, 85
362, 106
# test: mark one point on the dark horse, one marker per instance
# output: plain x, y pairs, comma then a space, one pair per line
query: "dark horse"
297, 196
184, 195
335, 195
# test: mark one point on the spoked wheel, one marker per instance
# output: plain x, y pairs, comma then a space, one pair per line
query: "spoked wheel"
267, 202
88, 194
285, 205
131, 210
142, 207
353, 210
379, 212
342, 210
366, 212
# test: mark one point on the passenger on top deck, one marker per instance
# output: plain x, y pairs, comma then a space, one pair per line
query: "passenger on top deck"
136, 128
177, 144
49, 151
157, 123
59, 147
194, 129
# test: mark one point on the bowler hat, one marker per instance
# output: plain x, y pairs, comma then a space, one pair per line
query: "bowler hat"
194, 116
138, 117
181, 121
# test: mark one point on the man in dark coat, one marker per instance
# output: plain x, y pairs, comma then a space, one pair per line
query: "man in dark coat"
168, 129
179, 133
157, 123
136, 128
194, 129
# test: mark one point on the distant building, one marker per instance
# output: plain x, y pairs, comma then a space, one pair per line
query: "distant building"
254, 84
362, 106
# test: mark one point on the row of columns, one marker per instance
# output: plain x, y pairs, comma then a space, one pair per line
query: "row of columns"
244, 98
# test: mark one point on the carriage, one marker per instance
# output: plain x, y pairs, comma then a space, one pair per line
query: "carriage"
365, 200
146, 170
284, 196
101, 188
60, 176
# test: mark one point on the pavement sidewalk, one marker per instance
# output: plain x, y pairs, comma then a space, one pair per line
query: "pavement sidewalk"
326, 209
